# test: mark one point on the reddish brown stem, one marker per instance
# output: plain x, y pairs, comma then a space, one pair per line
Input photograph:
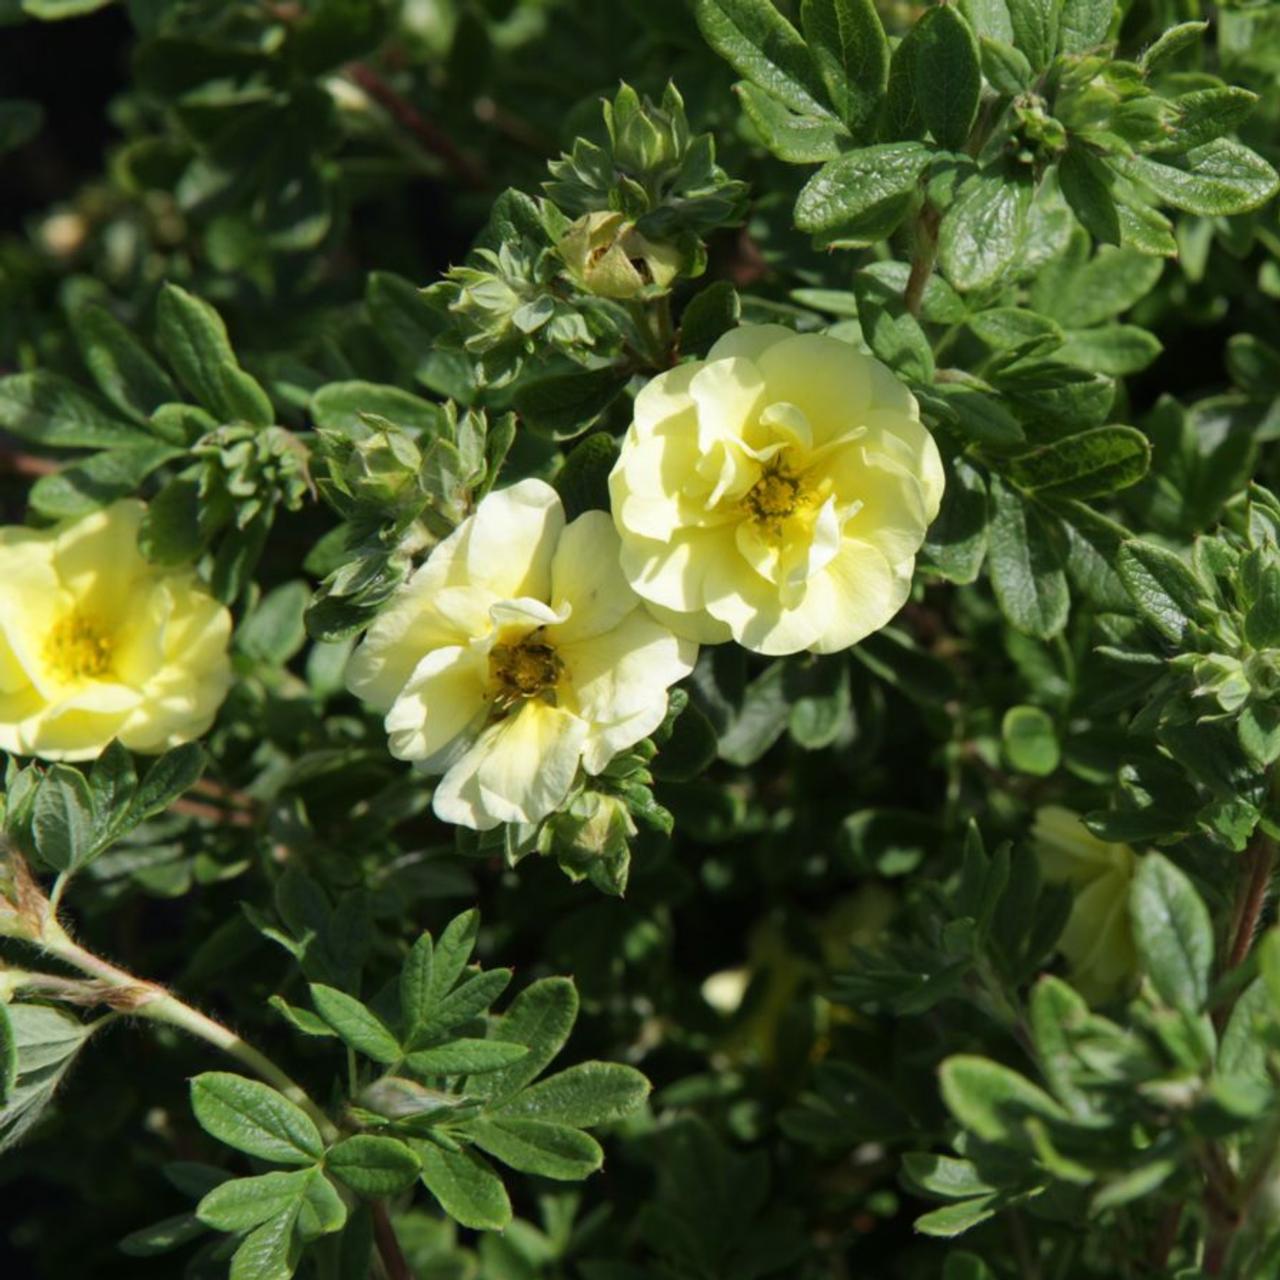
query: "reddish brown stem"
1256, 884
926, 251
384, 1235
25, 464
405, 114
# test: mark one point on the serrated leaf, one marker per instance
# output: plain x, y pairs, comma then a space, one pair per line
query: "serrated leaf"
254, 1118
358, 1025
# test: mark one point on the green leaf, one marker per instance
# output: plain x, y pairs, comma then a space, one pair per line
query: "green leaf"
338, 406
1112, 349
85, 486
956, 544
163, 1236
467, 1188
847, 42
534, 1147
411, 328
172, 774
1172, 42
452, 952
760, 44
991, 1101
125, 371
269, 1253
794, 138
1030, 741
1006, 68
373, 1166
302, 1020
541, 1016
902, 118
710, 314
588, 1094
563, 405
948, 76
860, 185
465, 1056
470, 999
1025, 565
890, 330
1222, 177
1089, 464
274, 630
979, 416
1079, 291
1173, 933
193, 339
981, 233
583, 482
243, 1203
1083, 25
254, 1118
62, 820
1206, 114
358, 1026
49, 411
57, 10
1035, 28
1086, 184
8, 1058
323, 1210
1165, 590
955, 1219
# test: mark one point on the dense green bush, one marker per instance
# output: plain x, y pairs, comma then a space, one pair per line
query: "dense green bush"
917, 923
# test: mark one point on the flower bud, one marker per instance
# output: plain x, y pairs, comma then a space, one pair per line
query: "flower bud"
384, 466
607, 256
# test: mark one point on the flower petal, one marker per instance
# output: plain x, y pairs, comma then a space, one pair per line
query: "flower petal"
518, 770
446, 696
586, 580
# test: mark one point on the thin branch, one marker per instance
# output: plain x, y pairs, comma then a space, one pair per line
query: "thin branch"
1254, 887
430, 136
384, 1235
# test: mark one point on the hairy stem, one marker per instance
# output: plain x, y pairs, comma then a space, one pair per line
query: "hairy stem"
926, 251
128, 994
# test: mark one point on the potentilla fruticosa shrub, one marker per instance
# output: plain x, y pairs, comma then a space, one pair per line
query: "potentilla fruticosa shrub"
640, 640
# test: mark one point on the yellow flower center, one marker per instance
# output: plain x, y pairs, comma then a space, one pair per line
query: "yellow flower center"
527, 669
775, 498
79, 647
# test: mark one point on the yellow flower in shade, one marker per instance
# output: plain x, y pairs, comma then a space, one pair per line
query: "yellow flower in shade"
1097, 941
514, 655
96, 643
776, 493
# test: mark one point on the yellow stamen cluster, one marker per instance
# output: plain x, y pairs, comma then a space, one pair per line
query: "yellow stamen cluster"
78, 647
775, 497
526, 669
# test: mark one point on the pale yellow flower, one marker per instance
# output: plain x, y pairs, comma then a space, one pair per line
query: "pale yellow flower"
776, 493
1098, 940
96, 643
514, 655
